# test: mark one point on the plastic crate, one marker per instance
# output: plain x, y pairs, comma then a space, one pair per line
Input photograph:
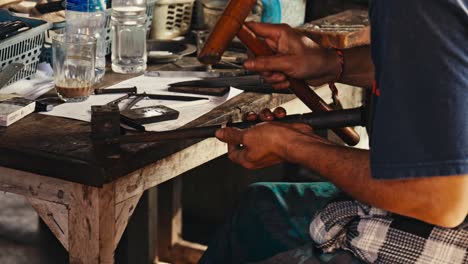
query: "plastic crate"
26, 47
172, 18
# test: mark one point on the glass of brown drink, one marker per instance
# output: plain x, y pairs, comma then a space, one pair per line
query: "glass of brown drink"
74, 58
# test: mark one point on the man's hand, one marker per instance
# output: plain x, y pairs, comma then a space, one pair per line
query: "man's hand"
297, 56
263, 145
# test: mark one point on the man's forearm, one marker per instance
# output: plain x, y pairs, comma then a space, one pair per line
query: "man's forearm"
436, 200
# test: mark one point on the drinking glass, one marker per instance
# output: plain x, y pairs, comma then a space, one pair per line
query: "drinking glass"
74, 59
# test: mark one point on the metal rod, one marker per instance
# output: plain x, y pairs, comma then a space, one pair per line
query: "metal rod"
323, 120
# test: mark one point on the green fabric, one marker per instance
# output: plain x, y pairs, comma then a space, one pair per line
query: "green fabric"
271, 225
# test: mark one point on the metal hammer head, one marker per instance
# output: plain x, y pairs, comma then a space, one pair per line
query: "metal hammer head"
105, 122
225, 30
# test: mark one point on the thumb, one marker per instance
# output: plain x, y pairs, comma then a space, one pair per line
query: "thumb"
230, 135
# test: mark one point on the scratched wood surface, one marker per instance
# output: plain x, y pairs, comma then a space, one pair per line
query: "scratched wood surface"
344, 30
62, 148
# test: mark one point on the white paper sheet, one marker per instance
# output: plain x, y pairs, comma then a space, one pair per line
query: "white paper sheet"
151, 85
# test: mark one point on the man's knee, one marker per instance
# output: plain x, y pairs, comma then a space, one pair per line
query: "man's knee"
260, 197
262, 191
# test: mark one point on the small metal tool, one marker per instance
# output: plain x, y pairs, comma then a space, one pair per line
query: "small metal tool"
126, 90
115, 104
11, 28
249, 80
178, 74
170, 97
138, 97
9, 72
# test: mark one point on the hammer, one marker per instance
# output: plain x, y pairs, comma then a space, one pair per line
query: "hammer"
230, 24
105, 125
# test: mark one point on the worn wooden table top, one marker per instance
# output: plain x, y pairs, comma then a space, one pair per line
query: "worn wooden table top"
62, 148
344, 30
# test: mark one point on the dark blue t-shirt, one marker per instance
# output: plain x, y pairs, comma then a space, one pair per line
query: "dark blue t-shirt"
420, 123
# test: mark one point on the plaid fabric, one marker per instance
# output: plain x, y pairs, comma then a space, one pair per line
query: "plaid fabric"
377, 236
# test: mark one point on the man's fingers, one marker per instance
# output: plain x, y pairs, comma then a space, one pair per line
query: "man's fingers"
266, 74
273, 44
234, 152
230, 135
279, 113
232, 148
275, 77
282, 85
266, 115
264, 30
238, 155
250, 116
276, 63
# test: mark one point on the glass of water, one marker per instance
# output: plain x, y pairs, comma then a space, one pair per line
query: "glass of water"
128, 22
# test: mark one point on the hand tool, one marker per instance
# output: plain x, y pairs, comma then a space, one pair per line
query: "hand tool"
220, 91
105, 125
11, 28
170, 97
129, 90
10, 71
212, 91
188, 74
266, 89
46, 8
247, 80
133, 92
230, 24
136, 97
150, 114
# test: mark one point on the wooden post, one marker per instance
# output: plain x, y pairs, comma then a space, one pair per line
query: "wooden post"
139, 243
169, 217
83, 225
107, 224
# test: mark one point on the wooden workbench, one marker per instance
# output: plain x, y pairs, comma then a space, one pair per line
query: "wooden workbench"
87, 197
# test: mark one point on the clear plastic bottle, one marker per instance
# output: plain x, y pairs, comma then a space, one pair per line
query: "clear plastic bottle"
128, 22
88, 17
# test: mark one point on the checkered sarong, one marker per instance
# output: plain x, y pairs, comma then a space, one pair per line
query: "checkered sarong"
377, 236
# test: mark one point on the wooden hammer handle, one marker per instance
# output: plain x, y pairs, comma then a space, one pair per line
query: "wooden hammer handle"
302, 90
225, 30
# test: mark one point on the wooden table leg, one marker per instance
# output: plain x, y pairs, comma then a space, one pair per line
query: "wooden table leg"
96, 223
107, 224
83, 225
88, 221
138, 244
